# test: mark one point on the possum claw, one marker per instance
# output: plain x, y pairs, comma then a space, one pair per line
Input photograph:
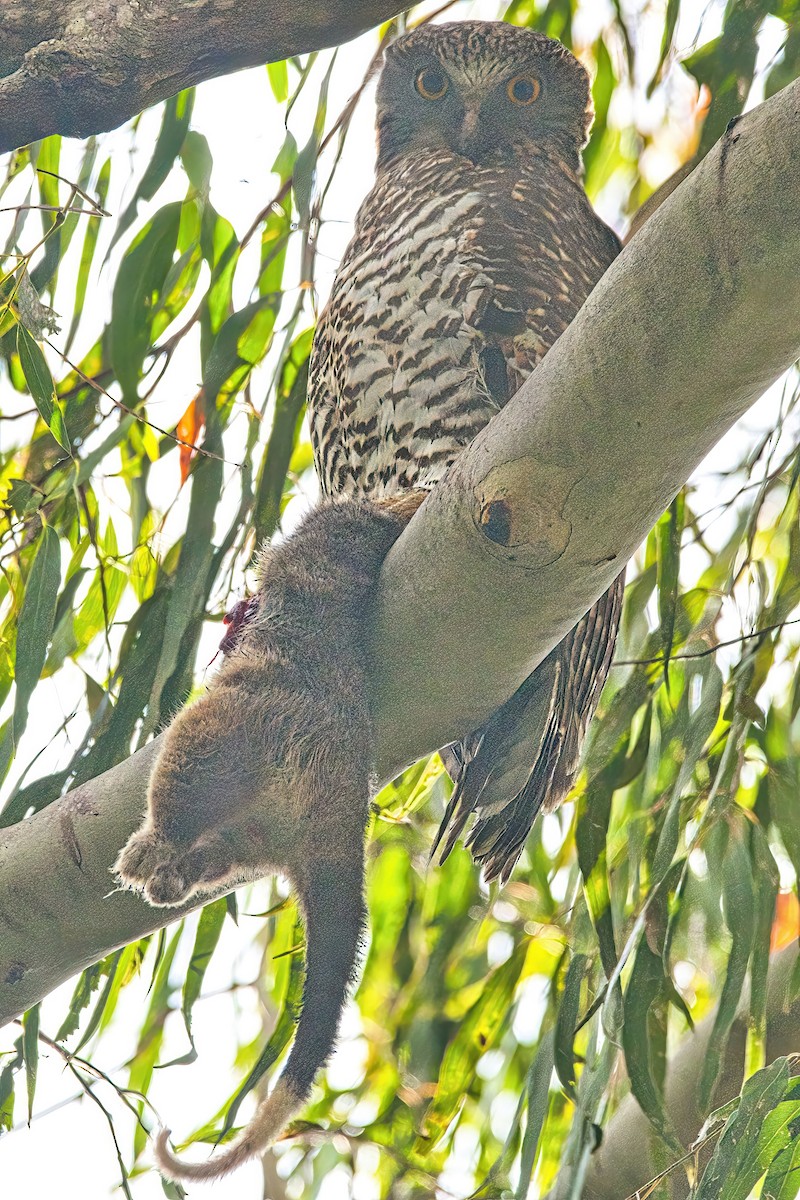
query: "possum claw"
140, 857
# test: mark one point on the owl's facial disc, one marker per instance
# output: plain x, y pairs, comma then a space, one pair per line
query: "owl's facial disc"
482, 116
486, 91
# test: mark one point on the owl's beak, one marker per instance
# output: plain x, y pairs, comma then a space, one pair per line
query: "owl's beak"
470, 136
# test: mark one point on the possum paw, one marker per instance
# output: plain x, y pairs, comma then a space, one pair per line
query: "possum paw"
208, 866
150, 864
168, 885
205, 867
140, 857
168, 875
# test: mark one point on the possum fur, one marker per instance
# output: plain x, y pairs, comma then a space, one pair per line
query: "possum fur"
271, 772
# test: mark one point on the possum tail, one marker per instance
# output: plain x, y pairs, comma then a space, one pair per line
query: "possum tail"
332, 896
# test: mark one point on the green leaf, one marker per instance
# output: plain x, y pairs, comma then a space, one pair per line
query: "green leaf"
782, 1181
538, 1096
34, 628
110, 970
753, 1136
42, 388
220, 248
209, 928
278, 73
787, 69
605, 735
137, 290
289, 407
139, 659
90, 239
594, 813
174, 127
646, 989
151, 1033
479, 1031
739, 900
281, 1035
30, 1049
188, 594
748, 707
596, 159
668, 538
305, 167
7, 1086
241, 343
86, 986
102, 600
567, 1022
670, 21
766, 879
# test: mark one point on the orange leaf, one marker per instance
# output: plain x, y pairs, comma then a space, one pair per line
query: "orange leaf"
786, 926
188, 430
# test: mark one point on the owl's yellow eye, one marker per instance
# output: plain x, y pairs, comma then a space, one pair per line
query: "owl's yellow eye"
523, 89
430, 83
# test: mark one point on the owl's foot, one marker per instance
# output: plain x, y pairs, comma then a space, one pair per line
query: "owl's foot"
167, 874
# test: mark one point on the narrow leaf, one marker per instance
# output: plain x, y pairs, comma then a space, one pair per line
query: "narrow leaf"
739, 905
478, 1033
736, 1166
566, 1024
35, 625
209, 929
42, 389
538, 1090
30, 1049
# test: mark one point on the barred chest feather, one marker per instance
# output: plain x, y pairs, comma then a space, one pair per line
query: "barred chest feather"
457, 281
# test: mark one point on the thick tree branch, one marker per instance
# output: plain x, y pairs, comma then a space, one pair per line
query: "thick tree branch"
697, 317
64, 69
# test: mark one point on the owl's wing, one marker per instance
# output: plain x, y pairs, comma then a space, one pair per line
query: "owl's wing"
544, 724
525, 758
536, 291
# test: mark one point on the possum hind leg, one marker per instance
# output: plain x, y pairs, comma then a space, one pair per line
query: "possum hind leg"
209, 806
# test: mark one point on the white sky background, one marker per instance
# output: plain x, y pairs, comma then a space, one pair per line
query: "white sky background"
68, 1151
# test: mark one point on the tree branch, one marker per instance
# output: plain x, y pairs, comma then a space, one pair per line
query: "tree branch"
63, 70
698, 315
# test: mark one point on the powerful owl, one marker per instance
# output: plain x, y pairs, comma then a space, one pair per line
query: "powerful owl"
471, 255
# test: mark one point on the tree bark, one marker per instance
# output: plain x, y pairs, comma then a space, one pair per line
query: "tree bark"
694, 320
65, 69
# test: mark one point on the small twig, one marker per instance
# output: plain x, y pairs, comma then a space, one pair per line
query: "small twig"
139, 416
744, 637
646, 1190
75, 1060
28, 412
76, 190
56, 208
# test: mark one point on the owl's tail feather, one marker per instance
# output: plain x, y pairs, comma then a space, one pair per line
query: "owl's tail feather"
494, 778
333, 904
524, 760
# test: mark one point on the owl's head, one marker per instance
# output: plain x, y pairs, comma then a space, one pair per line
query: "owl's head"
486, 90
